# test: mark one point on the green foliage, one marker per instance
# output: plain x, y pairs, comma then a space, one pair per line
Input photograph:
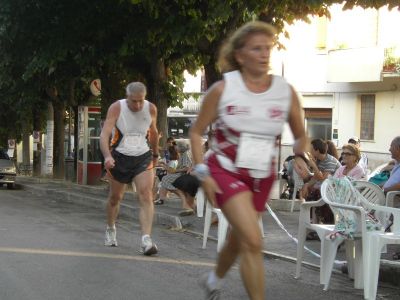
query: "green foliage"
66, 44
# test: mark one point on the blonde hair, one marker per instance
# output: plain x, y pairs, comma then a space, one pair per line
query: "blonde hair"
354, 150
227, 61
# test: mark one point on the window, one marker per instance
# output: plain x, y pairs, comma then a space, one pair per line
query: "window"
318, 123
367, 125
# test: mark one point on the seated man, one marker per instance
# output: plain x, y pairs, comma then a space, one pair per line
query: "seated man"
393, 183
322, 165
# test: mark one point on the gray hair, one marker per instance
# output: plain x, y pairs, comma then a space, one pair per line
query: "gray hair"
396, 141
182, 146
135, 87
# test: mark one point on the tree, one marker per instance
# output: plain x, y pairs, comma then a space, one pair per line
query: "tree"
50, 45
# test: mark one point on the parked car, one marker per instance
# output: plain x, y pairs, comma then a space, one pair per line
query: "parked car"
8, 172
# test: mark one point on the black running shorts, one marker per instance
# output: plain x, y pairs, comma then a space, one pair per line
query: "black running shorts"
127, 167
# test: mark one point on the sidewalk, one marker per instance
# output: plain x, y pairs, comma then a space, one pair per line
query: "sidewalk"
277, 243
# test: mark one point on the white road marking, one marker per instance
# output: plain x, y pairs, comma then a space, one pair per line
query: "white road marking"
104, 255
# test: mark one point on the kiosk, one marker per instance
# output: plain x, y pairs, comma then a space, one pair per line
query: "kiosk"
89, 157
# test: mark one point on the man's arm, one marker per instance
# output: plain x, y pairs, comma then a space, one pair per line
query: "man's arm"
395, 187
393, 184
109, 124
153, 132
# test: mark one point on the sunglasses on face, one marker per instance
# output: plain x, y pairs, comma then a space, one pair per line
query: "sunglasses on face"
347, 153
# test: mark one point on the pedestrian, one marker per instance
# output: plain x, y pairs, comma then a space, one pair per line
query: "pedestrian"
130, 160
249, 108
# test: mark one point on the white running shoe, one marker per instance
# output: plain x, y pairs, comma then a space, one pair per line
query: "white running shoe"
210, 294
111, 237
148, 247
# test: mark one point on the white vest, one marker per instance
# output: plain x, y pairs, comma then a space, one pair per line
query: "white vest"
134, 127
243, 111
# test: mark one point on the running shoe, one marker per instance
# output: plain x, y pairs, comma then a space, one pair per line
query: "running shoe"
111, 237
210, 294
148, 247
159, 202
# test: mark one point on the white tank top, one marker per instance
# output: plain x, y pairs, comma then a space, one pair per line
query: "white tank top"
134, 127
242, 112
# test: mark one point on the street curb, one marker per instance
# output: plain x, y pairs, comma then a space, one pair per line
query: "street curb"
125, 209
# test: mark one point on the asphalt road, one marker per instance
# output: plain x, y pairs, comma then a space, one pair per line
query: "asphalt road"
53, 249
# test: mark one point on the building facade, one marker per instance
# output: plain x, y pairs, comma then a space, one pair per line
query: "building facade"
347, 72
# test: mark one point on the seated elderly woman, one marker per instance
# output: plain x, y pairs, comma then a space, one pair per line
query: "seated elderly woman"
183, 167
350, 157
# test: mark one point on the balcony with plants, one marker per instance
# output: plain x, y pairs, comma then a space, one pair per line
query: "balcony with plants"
391, 62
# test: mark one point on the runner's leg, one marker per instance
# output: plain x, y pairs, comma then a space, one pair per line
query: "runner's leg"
228, 255
242, 216
114, 198
144, 184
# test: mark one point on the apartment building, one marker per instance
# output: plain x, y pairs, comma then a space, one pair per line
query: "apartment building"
347, 70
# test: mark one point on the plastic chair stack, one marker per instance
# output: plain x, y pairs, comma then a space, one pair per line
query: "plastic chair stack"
369, 243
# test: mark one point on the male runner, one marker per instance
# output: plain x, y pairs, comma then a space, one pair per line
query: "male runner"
130, 160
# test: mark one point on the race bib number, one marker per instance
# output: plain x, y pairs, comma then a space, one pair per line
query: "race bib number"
255, 152
132, 140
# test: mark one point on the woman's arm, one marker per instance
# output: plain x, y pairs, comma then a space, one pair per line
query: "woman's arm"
208, 114
296, 123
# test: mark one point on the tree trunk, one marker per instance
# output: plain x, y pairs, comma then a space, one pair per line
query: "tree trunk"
211, 72
76, 137
37, 153
157, 94
59, 139
49, 140
26, 159
111, 90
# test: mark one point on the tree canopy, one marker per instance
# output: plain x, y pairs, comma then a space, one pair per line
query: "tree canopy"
51, 50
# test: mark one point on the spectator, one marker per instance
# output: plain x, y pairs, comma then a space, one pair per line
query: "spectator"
170, 142
393, 183
364, 159
183, 167
323, 165
350, 168
332, 149
163, 169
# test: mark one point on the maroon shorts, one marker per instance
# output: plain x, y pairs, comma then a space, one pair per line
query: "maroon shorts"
234, 183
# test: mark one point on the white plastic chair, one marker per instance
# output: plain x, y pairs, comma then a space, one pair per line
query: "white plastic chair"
390, 197
298, 185
222, 225
322, 230
368, 244
200, 199
374, 195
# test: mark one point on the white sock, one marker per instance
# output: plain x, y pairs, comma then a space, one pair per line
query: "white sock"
213, 281
144, 236
111, 227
